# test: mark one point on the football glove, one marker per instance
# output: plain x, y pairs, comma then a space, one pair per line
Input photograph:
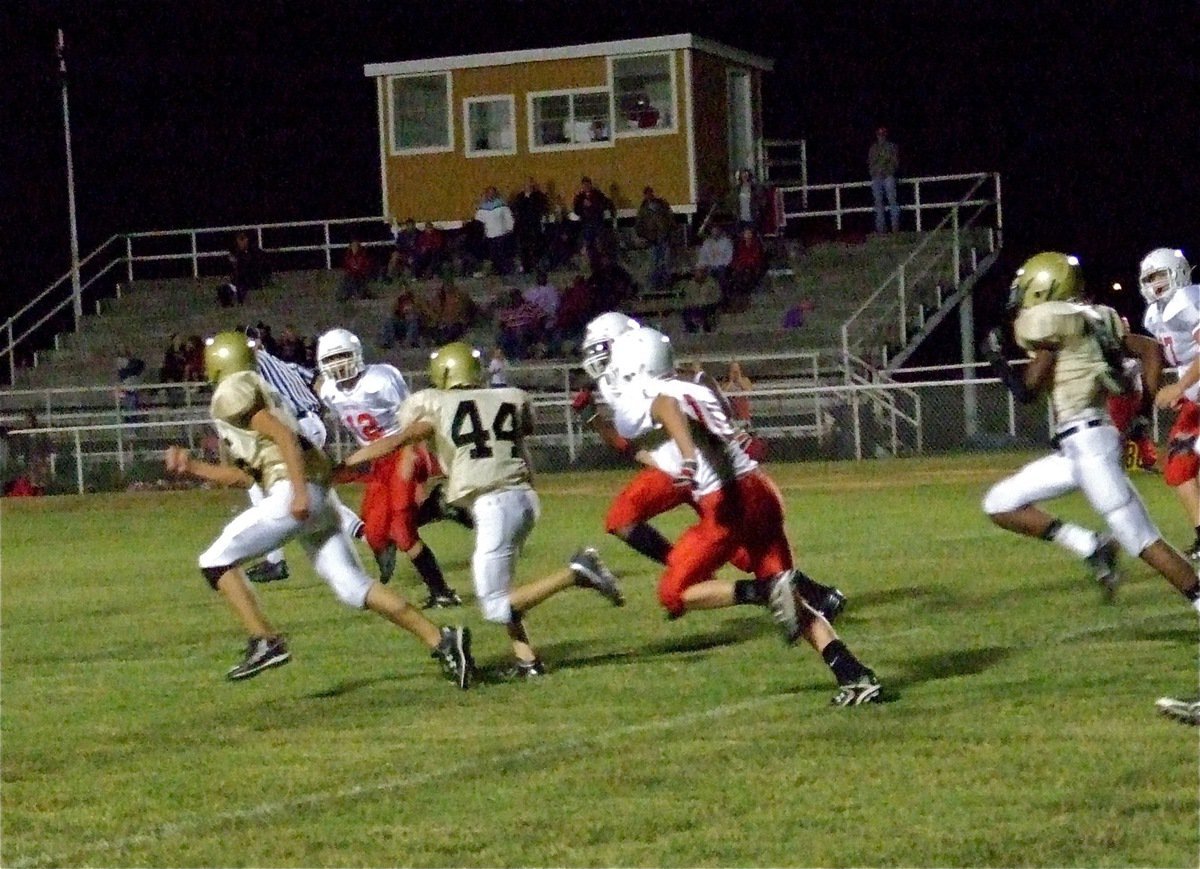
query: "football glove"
685, 478
991, 348
582, 400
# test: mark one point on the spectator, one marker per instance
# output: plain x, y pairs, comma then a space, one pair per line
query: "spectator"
470, 248
701, 297
529, 210
129, 376
735, 385
746, 269
34, 454
450, 313
173, 363
430, 255
498, 369
403, 257
655, 222
261, 332
592, 208
748, 202
518, 324
562, 245
611, 285
544, 295
403, 325
291, 346
248, 267
883, 158
716, 252
575, 309
193, 359
357, 270
497, 220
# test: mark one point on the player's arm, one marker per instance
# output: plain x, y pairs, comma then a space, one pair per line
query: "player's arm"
179, 460
1149, 353
1039, 373
1169, 395
414, 433
270, 426
703, 378
670, 415
1019, 385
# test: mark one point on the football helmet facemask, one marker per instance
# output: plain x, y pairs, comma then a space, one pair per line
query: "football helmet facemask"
643, 352
598, 338
339, 355
1162, 272
1046, 277
455, 365
227, 353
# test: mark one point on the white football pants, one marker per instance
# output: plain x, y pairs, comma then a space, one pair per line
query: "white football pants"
312, 428
1089, 460
269, 524
503, 519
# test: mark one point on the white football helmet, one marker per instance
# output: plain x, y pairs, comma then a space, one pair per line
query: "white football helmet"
598, 338
1162, 272
643, 352
339, 355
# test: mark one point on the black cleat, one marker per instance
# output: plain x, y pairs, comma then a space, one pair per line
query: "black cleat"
865, 689
262, 653
1103, 564
442, 600
1183, 711
386, 560
267, 571
454, 653
591, 572
522, 671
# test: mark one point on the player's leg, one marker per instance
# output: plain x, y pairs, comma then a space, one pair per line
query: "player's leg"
272, 567
503, 519
688, 583
1183, 466
649, 494
257, 530
376, 515
404, 500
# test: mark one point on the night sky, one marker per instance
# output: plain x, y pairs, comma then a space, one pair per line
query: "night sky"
202, 113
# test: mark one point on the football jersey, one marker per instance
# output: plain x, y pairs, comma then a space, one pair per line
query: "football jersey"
1176, 327
718, 458
1082, 376
236, 399
370, 408
479, 437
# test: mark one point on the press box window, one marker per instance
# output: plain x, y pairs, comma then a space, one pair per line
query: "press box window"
421, 113
490, 124
570, 120
644, 89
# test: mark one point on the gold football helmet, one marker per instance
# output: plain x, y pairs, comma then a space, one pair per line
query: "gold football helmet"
455, 364
227, 353
1046, 277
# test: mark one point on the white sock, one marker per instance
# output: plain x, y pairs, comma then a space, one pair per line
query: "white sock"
1196, 605
1074, 538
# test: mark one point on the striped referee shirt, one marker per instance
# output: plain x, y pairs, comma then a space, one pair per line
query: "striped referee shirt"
292, 381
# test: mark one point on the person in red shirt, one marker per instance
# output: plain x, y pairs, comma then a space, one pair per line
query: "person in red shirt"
357, 271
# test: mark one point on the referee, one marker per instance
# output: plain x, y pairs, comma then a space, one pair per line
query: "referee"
294, 384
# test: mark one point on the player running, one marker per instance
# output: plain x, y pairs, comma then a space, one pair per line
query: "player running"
479, 435
367, 400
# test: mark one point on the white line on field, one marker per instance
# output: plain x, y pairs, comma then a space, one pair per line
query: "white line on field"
188, 824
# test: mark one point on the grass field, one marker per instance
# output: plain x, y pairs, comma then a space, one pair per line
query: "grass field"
1022, 731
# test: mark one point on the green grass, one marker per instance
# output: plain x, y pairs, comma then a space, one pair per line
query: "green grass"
1023, 730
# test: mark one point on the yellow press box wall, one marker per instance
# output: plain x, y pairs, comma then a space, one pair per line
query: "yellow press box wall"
446, 186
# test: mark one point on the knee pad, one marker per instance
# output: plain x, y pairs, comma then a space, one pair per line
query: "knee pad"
497, 608
214, 574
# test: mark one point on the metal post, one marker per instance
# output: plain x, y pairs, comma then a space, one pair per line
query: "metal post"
76, 289
78, 462
857, 425
12, 356
195, 256
957, 247
966, 336
1012, 414
917, 201
328, 251
837, 205
804, 173
129, 257
903, 309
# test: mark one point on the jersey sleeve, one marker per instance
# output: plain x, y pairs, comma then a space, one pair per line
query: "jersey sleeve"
418, 406
1046, 327
238, 398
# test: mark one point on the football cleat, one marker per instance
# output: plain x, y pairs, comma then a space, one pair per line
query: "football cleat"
386, 560
865, 689
784, 607
1193, 554
1183, 711
267, 571
1103, 564
524, 670
591, 572
262, 653
454, 653
442, 600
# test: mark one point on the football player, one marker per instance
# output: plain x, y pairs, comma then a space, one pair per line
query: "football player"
1076, 354
367, 400
1173, 318
682, 429
479, 434
1183, 711
261, 438
651, 491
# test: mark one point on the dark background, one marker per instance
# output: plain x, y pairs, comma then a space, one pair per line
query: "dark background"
202, 113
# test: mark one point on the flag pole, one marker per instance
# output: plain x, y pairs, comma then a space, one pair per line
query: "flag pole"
76, 289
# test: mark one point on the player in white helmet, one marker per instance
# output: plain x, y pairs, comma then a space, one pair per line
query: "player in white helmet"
682, 429
651, 493
480, 436
367, 399
1076, 354
1173, 318
261, 443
